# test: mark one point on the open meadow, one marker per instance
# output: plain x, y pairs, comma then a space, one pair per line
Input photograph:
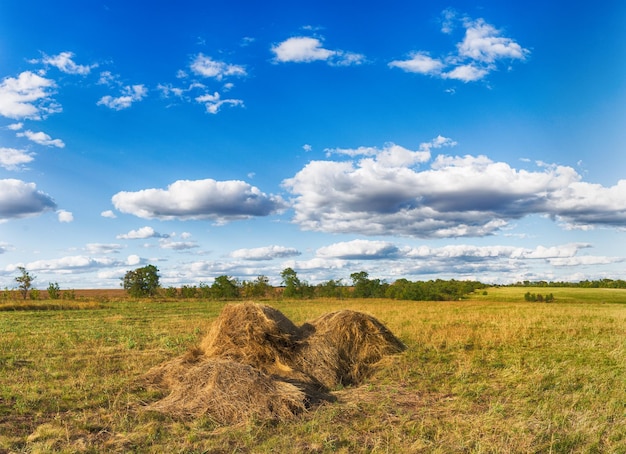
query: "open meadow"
492, 373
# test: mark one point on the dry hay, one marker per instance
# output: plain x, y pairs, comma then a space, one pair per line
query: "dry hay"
342, 347
253, 334
255, 362
229, 392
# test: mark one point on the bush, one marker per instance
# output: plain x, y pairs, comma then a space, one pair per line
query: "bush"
54, 291
188, 291
171, 292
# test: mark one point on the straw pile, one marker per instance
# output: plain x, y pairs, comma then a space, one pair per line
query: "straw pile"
254, 362
342, 347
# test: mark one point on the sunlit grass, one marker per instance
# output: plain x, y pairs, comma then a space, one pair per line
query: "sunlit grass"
478, 376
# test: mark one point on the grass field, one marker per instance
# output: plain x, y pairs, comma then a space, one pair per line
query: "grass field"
490, 374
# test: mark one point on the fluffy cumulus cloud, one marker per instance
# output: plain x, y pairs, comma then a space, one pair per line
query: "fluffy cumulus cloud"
220, 201
130, 95
477, 54
205, 66
483, 43
65, 216
27, 96
384, 193
41, 138
13, 159
141, 234
303, 49
360, 250
420, 62
265, 253
108, 214
19, 199
64, 62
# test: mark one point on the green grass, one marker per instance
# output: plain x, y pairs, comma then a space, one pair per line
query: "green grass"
489, 374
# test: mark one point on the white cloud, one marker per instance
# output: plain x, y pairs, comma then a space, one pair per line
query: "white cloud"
213, 103
65, 216
264, 253
27, 96
392, 155
71, 264
478, 53
19, 199
207, 67
584, 261
130, 95
108, 214
107, 78
65, 63
359, 249
448, 20
141, 233
306, 147
483, 43
133, 260
13, 159
15, 126
455, 197
419, 62
199, 199
467, 73
302, 49
41, 138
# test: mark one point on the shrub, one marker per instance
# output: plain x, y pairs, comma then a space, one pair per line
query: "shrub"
54, 292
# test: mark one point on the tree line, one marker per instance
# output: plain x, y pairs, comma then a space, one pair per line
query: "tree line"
600, 283
144, 282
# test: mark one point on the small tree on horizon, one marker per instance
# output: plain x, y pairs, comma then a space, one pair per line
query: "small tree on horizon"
24, 281
54, 291
142, 282
293, 285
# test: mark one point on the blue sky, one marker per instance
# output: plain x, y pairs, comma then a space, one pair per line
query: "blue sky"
467, 140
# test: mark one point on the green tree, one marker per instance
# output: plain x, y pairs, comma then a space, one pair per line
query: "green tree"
188, 291
225, 287
24, 281
293, 285
258, 288
54, 291
142, 282
367, 288
331, 289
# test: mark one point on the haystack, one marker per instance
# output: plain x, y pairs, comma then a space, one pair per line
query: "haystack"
255, 362
230, 392
342, 347
253, 334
